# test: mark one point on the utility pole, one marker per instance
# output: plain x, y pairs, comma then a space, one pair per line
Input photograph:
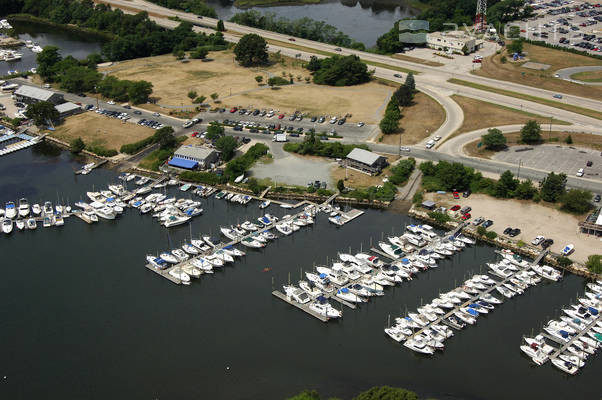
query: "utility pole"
518, 173
550, 132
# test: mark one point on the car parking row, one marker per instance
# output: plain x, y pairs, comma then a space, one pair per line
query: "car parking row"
276, 128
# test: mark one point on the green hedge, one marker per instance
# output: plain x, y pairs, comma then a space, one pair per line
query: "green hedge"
133, 148
101, 150
208, 178
562, 48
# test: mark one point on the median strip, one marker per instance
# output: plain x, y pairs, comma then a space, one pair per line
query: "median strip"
567, 107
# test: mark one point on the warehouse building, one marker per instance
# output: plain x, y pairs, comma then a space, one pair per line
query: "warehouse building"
193, 157
454, 41
67, 109
32, 95
365, 161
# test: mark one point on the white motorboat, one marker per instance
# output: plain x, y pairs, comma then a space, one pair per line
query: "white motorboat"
36, 209
265, 204
224, 256
398, 334
181, 275
145, 208
284, 228
10, 211
157, 262
565, 366
229, 233
23, 208
391, 249
336, 277
299, 295
31, 223
7, 226
20, 224
190, 249
170, 258
312, 290
249, 242
372, 261
346, 295
325, 309
249, 226
418, 346
572, 359
536, 354
490, 298
203, 264
504, 291
180, 254
174, 220
105, 212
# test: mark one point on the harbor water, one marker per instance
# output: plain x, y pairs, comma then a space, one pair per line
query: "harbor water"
70, 43
80, 316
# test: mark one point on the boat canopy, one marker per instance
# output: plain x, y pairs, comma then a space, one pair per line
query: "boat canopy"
564, 334
592, 310
405, 261
321, 299
182, 163
344, 290
322, 275
472, 312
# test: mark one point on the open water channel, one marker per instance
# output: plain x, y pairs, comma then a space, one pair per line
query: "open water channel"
80, 316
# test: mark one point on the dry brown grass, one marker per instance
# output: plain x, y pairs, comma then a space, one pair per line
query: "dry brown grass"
515, 72
586, 140
425, 115
588, 76
100, 130
236, 86
480, 114
417, 60
357, 179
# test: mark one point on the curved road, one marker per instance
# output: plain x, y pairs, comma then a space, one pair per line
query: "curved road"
566, 74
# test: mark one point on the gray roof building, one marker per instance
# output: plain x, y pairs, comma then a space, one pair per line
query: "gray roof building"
203, 155
365, 161
67, 109
32, 94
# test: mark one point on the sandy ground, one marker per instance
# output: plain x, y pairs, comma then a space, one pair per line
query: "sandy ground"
418, 121
295, 170
236, 86
98, 129
531, 218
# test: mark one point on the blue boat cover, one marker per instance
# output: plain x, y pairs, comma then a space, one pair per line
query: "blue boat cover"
323, 276
321, 299
344, 290
564, 334
472, 312
265, 220
182, 163
592, 310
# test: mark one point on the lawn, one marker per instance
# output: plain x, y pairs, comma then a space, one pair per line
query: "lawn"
588, 76
579, 140
514, 71
419, 120
100, 130
535, 99
497, 115
236, 86
356, 179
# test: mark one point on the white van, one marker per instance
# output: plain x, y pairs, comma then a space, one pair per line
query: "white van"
580, 172
430, 144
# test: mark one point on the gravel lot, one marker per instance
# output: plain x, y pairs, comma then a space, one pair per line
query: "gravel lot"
567, 159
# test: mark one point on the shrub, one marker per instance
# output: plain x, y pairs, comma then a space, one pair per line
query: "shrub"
440, 217
418, 198
77, 145
491, 235
594, 263
208, 178
101, 150
564, 261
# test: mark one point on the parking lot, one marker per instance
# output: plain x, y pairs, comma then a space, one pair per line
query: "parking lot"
566, 159
565, 23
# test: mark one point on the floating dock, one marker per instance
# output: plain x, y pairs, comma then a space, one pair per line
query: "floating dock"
303, 307
12, 142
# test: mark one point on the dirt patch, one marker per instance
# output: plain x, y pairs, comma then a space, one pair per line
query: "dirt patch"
492, 67
531, 218
356, 179
418, 121
497, 115
417, 60
99, 130
586, 140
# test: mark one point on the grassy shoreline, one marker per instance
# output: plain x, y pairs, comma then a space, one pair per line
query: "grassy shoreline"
70, 28
245, 4
552, 103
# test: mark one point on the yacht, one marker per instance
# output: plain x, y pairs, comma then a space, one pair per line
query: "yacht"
284, 228
250, 242
419, 346
7, 226
538, 355
174, 220
336, 277
36, 209
170, 258
299, 295
325, 309
31, 223
249, 226
312, 290
565, 366
23, 208
397, 333
157, 262
58, 220
10, 210
190, 249
181, 275
180, 255
265, 204
346, 295
20, 224
490, 298
203, 265
391, 249
105, 212
229, 233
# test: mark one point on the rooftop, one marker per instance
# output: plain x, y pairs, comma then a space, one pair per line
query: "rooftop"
66, 107
363, 156
198, 152
34, 93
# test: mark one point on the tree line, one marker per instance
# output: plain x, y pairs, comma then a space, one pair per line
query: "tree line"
134, 36
402, 97
198, 7
78, 76
305, 28
311, 145
338, 70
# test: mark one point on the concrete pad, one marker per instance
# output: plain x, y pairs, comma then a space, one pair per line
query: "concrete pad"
537, 66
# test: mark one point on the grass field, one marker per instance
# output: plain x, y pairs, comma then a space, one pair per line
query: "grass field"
425, 115
417, 60
236, 86
535, 99
356, 179
95, 129
589, 76
555, 137
497, 115
492, 67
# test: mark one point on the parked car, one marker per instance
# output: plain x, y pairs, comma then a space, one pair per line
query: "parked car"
557, 96
538, 240
456, 195
337, 49
579, 172
547, 243
430, 144
487, 223
466, 209
397, 75
156, 114
360, 124
514, 232
281, 116
137, 112
455, 208
589, 163
466, 216
478, 221
466, 193
404, 148
507, 231
233, 109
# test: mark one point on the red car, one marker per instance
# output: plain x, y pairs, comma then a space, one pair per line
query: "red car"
291, 39
281, 116
466, 216
455, 208
195, 134
233, 109
456, 195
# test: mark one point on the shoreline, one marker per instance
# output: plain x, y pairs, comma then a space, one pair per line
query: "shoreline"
27, 18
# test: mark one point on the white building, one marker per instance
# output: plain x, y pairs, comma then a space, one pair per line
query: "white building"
454, 41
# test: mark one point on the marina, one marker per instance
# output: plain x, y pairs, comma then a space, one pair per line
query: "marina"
11, 142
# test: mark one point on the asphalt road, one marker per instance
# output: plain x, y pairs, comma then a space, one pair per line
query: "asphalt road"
566, 73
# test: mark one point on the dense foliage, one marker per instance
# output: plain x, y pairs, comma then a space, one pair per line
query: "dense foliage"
403, 96
375, 393
100, 150
530, 132
402, 171
251, 50
552, 187
494, 139
163, 136
134, 35
77, 145
576, 201
227, 145
311, 145
594, 263
385, 192
42, 113
305, 28
208, 178
241, 164
339, 70
194, 6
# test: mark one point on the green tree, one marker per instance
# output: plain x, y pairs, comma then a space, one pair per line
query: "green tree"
576, 201
403, 95
214, 96
401, 172
251, 50
594, 263
386, 393
506, 185
227, 145
514, 32
306, 395
199, 100
139, 91
515, 47
525, 190
199, 53
564, 261
530, 132
388, 125
42, 113
77, 145
259, 79
220, 26
341, 71
46, 60
494, 139
569, 140
410, 82
192, 94
341, 185
214, 131
165, 138
552, 187
481, 230
179, 54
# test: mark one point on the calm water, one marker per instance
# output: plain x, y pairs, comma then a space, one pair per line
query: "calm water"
80, 316
69, 43
363, 21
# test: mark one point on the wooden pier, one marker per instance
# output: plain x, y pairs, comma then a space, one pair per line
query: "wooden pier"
164, 273
303, 307
383, 254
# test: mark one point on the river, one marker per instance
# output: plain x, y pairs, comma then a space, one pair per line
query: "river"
80, 316
70, 43
363, 21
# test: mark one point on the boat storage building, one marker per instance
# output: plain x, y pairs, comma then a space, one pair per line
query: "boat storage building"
30, 95
365, 161
191, 157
